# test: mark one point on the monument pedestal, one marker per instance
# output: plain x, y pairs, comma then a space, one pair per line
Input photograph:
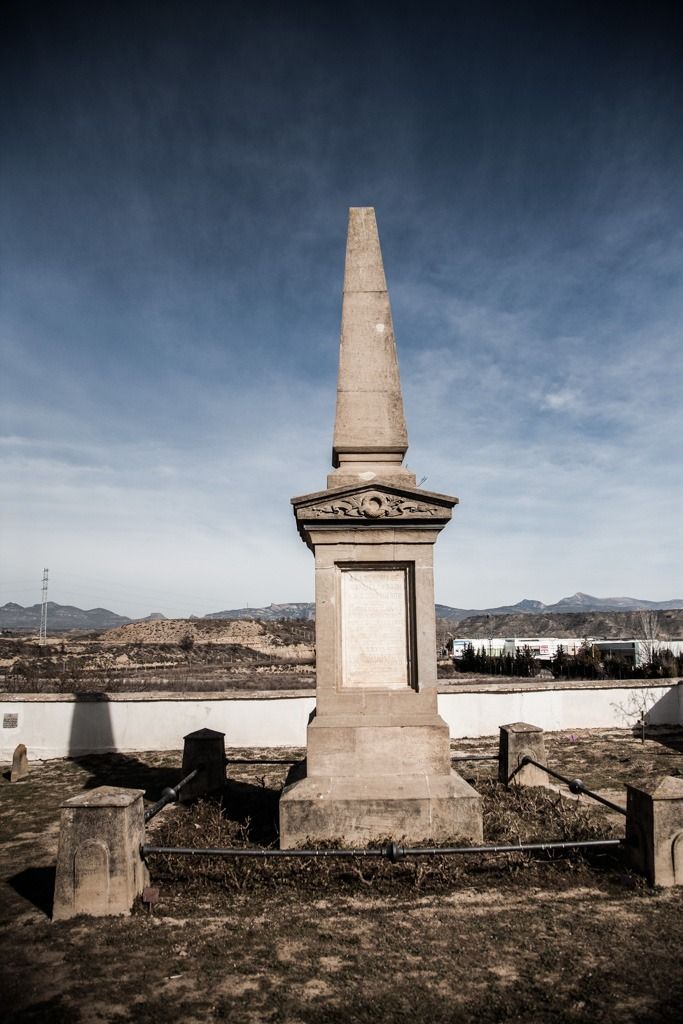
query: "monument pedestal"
378, 753
361, 809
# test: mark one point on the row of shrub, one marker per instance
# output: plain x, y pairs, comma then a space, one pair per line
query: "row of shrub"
587, 663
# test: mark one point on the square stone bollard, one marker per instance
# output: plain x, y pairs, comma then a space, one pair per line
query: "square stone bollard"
654, 829
100, 870
520, 740
205, 747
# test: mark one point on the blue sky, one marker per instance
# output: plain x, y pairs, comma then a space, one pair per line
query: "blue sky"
175, 180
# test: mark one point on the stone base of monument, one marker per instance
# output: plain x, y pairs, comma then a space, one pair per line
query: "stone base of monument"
383, 744
387, 778
378, 767
413, 808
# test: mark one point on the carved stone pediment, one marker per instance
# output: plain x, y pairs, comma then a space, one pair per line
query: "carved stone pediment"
373, 505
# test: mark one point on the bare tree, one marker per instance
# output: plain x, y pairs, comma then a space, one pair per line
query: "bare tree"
634, 710
647, 629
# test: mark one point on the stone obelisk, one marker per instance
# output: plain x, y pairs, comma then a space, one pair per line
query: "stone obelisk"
378, 753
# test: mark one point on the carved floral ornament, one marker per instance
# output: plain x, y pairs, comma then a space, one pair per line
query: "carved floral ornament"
372, 505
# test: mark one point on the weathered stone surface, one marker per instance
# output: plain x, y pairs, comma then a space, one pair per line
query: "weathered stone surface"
517, 741
383, 506
373, 503
20, 768
205, 749
374, 628
361, 745
654, 829
370, 436
361, 809
99, 867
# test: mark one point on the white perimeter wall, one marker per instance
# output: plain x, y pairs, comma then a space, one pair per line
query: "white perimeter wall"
480, 714
61, 725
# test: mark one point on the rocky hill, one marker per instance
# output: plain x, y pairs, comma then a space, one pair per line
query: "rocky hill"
577, 603
294, 610
607, 625
271, 639
60, 617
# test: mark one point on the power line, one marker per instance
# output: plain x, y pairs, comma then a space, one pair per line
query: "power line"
129, 589
115, 591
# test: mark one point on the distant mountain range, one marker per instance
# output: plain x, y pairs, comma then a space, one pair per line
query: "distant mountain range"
576, 603
61, 618
297, 610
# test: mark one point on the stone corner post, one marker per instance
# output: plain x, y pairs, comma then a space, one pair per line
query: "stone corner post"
205, 749
100, 870
654, 829
519, 740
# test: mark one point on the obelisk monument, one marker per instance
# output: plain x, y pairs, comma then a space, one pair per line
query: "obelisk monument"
378, 753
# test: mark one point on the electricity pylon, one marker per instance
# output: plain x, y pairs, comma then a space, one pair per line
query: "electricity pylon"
43, 610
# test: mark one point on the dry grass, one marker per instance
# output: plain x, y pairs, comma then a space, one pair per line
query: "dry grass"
510, 817
517, 938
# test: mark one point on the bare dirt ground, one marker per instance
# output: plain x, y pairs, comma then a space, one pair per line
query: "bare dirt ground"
517, 938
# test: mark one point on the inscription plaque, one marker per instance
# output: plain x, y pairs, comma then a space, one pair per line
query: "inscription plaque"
374, 628
91, 878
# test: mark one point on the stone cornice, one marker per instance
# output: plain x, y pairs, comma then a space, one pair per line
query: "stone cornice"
415, 494
375, 504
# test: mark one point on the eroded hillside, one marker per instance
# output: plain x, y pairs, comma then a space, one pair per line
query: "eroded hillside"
175, 654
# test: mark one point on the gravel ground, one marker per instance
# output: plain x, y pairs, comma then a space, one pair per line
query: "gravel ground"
514, 938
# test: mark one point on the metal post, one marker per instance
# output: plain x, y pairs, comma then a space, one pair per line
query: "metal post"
170, 795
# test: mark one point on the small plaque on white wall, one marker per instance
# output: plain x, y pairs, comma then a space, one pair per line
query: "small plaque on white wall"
375, 627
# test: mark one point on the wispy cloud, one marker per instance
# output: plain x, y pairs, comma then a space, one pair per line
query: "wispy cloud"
563, 400
173, 232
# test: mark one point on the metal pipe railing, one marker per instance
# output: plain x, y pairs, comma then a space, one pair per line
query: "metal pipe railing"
474, 757
295, 760
263, 760
391, 851
576, 786
236, 851
171, 794
553, 844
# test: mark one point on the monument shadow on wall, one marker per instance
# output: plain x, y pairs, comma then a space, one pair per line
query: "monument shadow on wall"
92, 746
